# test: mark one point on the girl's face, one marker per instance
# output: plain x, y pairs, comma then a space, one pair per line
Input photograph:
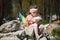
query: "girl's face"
34, 14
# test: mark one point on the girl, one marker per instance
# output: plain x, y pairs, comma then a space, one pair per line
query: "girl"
33, 13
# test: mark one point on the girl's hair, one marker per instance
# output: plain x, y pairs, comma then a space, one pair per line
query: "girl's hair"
33, 6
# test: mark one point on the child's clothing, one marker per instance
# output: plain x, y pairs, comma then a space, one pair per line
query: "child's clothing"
33, 24
29, 20
29, 30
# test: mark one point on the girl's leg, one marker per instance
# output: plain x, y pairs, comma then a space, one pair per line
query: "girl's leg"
36, 32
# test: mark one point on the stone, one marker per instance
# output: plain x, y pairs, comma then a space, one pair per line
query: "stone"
10, 26
10, 38
11, 35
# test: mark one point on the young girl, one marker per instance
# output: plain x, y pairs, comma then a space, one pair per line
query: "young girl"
33, 21
33, 13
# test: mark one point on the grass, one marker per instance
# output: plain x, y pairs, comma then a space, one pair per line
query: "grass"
44, 22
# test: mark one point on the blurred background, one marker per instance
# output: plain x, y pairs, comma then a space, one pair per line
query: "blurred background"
47, 8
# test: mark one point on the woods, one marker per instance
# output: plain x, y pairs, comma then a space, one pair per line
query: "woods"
46, 7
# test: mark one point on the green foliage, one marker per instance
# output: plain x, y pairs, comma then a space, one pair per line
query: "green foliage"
56, 33
44, 22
